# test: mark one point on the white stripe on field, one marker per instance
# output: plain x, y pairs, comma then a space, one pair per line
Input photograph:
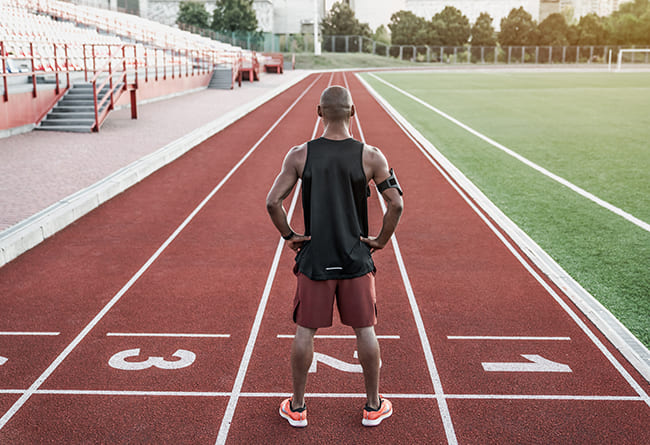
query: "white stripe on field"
352, 337
426, 346
631, 218
50, 369
82, 392
29, 333
252, 338
494, 337
145, 334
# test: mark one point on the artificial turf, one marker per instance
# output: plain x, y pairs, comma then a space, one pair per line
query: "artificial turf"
592, 129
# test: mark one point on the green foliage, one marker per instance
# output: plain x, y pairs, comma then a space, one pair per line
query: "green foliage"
449, 27
193, 14
591, 30
382, 35
554, 31
518, 28
234, 15
407, 28
630, 25
341, 21
482, 31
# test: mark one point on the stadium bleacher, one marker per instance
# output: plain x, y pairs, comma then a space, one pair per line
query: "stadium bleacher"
50, 37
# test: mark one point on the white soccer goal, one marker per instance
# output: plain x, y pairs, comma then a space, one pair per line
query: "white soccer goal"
633, 58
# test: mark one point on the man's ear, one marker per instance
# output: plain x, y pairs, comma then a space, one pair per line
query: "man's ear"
320, 112
352, 110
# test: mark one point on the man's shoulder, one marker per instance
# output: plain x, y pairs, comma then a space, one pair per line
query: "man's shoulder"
298, 150
372, 154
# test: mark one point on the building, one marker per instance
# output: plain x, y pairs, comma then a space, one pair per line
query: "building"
497, 9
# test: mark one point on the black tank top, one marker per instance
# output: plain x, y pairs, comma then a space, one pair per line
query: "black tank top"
334, 201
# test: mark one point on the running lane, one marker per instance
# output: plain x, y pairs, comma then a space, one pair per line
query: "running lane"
517, 361
335, 390
157, 366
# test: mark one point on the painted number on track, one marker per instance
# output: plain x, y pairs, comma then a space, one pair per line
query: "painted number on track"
336, 363
536, 363
118, 361
3, 360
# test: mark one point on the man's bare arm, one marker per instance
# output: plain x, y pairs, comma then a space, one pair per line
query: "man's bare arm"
281, 188
376, 168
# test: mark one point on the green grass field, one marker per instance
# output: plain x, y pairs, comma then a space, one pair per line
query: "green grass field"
592, 129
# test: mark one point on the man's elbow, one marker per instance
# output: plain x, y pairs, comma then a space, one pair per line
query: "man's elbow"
272, 204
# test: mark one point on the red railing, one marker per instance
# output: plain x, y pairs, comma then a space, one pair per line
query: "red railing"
58, 59
45, 61
115, 88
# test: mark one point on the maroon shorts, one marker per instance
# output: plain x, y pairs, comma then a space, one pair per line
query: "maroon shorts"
355, 298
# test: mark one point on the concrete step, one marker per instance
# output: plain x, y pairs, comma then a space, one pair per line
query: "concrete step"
75, 129
71, 115
65, 108
79, 102
67, 122
61, 107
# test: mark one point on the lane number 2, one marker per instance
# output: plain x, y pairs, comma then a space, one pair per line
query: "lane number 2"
118, 361
336, 363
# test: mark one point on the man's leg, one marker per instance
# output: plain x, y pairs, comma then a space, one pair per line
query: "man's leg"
302, 354
369, 356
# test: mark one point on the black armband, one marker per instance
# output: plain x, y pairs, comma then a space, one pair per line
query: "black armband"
390, 182
289, 236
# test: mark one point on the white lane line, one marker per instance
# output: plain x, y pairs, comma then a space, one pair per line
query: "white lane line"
410, 131
19, 333
215, 394
154, 334
346, 337
620, 212
494, 337
50, 369
543, 397
252, 338
426, 346
77, 392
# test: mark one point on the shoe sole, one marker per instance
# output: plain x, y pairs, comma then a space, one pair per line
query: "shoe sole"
294, 423
369, 422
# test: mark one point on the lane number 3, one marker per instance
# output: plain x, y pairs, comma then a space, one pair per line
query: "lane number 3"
118, 361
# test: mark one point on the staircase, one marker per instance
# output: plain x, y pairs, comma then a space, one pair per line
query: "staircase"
221, 78
75, 111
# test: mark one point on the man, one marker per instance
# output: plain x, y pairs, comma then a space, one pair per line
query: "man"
334, 255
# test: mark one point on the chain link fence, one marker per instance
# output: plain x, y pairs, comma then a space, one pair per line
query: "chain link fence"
298, 43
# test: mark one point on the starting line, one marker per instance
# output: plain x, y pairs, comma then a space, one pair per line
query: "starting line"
81, 392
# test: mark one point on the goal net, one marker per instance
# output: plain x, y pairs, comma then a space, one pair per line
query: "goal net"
632, 56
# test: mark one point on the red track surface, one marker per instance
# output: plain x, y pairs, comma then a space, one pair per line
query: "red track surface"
211, 280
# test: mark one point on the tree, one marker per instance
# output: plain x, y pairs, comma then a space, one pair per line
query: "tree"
630, 25
234, 15
518, 29
482, 31
407, 28
449, 27
341, 21
193, 14
591, 30
382, 35
554, 31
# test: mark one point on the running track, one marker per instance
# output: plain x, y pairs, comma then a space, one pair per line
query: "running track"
164, 316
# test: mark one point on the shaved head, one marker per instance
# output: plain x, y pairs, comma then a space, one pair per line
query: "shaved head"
336, 103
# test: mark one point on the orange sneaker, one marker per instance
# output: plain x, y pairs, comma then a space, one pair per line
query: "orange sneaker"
373, 417
297, 418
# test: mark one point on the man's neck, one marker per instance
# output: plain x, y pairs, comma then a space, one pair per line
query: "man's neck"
337, 131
